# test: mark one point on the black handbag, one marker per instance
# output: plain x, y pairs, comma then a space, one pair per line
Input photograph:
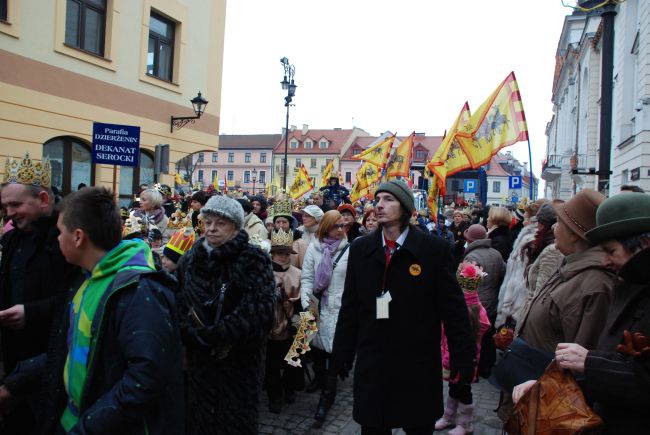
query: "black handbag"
520, 363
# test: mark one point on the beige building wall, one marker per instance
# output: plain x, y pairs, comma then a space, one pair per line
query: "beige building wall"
49, 90
238, 165
315, 172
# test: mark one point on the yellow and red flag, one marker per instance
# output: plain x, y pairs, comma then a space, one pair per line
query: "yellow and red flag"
432, 200
399, 163
377, 154
499, 122
358, 192
327, 173
301, 184
225, 185
367, 175
449, 158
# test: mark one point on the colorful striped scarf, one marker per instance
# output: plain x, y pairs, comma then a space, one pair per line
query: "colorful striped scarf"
129, 254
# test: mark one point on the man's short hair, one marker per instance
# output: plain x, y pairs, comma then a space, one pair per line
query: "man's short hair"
94, 211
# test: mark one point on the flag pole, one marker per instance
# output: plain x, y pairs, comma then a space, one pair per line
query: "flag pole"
530, 165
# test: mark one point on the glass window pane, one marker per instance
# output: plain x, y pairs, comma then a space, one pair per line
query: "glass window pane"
93, 31
150, 56
54, 151
81, 166
101, 3
165, 62
126, 181
72, 23
146, 169
160, 27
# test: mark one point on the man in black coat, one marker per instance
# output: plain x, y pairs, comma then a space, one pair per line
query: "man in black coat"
390, 319
114, 359
32, 273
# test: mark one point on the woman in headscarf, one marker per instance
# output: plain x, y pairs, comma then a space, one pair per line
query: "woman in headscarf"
226, 310
322, 281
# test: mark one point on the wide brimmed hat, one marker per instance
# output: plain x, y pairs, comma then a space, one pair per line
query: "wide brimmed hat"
579, 213
626, 214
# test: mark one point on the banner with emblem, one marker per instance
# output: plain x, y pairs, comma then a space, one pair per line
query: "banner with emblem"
301, 184
327, 173
377, 154
399, 163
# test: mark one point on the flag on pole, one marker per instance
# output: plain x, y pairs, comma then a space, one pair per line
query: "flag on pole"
432, 200
449, 158
358, 192
367, 175
215, 182
327, 173
399, 163
499, 122
225, 185
377, 154
178, 179
301, 184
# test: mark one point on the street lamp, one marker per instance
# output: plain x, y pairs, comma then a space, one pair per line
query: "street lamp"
289, 85
254, 179
198, 104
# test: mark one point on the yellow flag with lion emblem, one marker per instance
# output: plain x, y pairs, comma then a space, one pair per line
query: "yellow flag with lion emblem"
301, 184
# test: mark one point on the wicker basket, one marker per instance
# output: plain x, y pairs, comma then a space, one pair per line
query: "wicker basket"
468, 284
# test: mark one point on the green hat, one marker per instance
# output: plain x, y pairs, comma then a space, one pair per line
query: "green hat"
399, 190
622, 215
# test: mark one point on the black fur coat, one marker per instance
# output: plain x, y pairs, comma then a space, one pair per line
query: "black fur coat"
225, 361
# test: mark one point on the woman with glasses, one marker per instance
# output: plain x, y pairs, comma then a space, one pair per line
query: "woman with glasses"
322, 282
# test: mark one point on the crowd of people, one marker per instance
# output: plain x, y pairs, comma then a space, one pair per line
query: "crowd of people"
173, 314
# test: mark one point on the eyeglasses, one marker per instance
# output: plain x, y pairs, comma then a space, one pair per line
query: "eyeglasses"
339, 226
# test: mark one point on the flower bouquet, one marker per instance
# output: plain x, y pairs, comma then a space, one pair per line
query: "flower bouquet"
469, 275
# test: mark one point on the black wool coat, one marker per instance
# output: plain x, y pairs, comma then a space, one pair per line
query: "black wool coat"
620, 384
225, 361
398, 371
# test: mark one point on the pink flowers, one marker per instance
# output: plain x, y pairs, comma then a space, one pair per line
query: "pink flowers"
469, 270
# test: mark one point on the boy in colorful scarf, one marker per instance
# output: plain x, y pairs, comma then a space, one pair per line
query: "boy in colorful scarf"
114, 363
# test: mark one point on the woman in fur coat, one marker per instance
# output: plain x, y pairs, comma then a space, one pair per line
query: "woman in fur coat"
226, 309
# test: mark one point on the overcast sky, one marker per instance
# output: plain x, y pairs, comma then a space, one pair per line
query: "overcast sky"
380, 65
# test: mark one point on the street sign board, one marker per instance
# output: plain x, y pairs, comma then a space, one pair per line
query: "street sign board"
514, 199
514, 181
116, 144
469, 186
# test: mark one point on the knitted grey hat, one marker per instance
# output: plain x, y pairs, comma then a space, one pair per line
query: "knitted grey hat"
225, 207
401, 191
546, 214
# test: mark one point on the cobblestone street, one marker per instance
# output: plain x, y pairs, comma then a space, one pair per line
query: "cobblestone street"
298, 417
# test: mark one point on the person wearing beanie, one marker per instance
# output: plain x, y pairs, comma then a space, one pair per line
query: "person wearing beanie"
259, 206
252, 224
398, 275
181, 241
349, 216
615, 372
311, 218
479, 250
571, 307
226, 306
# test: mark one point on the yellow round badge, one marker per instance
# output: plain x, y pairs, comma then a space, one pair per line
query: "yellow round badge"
415, 269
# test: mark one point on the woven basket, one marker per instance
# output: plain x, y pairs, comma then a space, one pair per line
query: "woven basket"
468, 284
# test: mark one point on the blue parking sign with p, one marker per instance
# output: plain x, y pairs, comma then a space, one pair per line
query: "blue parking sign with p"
470, 186
515, 181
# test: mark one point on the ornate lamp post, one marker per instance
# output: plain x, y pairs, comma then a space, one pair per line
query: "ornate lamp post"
198, 104
254, 179
289, 85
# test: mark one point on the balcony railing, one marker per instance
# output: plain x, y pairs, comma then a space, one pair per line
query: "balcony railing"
552, 167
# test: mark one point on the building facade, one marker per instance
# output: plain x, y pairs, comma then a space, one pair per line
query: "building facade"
243, 162
132, 62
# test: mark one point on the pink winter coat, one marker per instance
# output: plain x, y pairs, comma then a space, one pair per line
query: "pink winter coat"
471, 298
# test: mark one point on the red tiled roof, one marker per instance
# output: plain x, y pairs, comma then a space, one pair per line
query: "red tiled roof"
336, 138
496, 170
429, 143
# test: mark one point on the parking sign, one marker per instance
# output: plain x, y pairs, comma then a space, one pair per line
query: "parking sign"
470, 186
515, 181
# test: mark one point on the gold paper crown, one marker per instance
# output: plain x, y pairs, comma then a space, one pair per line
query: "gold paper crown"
181, 240
281, 238
282, 208
26, 171
306, 330
178, 220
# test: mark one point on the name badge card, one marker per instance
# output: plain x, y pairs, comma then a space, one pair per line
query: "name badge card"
382, 305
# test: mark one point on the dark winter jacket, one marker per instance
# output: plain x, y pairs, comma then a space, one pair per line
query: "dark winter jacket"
502, 241
482, 253
459, 240
134, 383
231, 291
620, 384
46, 275
398, 372
337, 193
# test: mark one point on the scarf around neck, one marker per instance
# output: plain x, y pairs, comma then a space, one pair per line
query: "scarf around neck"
128, 255
324, 269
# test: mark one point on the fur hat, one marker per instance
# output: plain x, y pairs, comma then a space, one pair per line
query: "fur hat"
314, 211
475, 232
225, 207
579, 213
625, 214
399, 190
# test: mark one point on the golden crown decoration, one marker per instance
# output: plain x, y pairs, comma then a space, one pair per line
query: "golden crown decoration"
26, 171
178, 220
281, 238
282, 208
181, 241
306, 330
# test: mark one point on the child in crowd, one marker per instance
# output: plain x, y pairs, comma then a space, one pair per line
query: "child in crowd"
179, 243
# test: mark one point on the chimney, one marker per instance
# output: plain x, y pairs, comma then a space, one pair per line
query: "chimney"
292, 128
305, 129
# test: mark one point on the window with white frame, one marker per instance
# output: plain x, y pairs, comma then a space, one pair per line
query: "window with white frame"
247, 157
496, 186
309, 144
262, 157
262, 177
231, 157
298, 162
214, 174
247, 176
313, 163
160, 52
200, 177
215, 157
322, 144
231, 175
293, 144
200, 160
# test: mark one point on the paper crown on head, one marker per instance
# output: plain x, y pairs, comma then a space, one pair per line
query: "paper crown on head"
164, 189
282, 208
281, 239
181, 241
26, 171
178, 219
